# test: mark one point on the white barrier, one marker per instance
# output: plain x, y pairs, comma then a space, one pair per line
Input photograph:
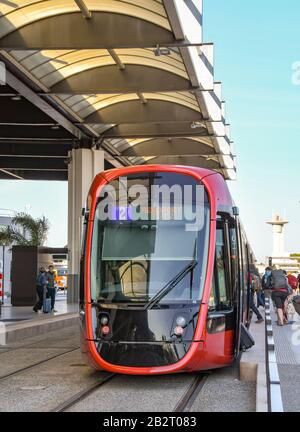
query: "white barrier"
2, 334
273, 379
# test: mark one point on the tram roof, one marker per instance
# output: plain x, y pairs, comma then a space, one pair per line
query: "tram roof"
131, 77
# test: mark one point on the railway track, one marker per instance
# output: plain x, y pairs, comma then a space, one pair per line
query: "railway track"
26, 368
28, 346
78, 397
184, 404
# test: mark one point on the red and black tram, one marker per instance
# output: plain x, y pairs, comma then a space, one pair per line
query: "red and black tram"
164, 271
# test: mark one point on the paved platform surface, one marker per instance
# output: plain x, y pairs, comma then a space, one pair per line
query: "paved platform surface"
14, 314
40, 373
224, 392
253, 363
287, 346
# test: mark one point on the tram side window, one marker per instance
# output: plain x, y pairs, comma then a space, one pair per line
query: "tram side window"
220, 298
245, 262
234, 258
224, 297
213, 299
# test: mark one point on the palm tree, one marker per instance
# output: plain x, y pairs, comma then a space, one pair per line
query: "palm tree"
25, 231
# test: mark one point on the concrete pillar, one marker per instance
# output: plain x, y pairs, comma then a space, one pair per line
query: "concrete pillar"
84, 166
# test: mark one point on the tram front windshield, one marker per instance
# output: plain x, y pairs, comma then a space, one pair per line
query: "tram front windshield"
140, 247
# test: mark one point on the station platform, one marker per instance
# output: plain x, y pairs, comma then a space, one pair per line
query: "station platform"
19, 323
253, 364
287, 348
13, 314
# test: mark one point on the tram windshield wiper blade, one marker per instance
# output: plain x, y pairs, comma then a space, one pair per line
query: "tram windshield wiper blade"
172, 284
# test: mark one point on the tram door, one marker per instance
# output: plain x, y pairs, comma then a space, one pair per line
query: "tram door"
222, 304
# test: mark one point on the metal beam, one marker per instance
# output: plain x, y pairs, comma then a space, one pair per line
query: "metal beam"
37, 132
116, 59
186, 160
142, 98
12, 174
84, 9
154, 111
35, 175
185, 154
168, 146
89, 91
40, 141
34, 149
50, 125
41, 164
155, 130
136, 78
36, 100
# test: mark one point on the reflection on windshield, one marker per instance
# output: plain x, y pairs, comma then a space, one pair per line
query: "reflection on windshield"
132, 260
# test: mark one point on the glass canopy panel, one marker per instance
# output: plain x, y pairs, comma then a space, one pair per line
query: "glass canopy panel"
16, 14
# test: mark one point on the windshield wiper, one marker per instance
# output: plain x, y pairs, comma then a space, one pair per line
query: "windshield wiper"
172, 284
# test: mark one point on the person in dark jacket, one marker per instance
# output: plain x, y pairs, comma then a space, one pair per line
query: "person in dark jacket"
51, 286
257, 286
266, 278
252, 303
279, 286
41, 284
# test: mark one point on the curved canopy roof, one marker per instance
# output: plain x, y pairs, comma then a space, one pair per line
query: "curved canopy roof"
132, 77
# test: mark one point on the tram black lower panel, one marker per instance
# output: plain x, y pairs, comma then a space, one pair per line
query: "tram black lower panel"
142, 355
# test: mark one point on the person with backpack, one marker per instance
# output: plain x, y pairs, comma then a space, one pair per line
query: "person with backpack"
278, 283
41, 284
265, 279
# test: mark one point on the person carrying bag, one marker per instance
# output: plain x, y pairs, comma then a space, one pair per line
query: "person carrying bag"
46, 301
41, 284
280, 291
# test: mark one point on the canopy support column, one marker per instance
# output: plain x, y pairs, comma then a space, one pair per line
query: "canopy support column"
84, 165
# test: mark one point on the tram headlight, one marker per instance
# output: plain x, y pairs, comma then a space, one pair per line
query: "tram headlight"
181, 321
104, 320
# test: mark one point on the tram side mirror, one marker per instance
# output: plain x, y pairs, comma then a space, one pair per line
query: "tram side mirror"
236, 211
85, 213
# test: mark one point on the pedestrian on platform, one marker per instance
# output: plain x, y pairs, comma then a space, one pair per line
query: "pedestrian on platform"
293, 282
252, 303
257, 286
51, 286
265, 279
41, 284
278, 283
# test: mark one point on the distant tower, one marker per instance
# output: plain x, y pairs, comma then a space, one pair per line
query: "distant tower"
278, 224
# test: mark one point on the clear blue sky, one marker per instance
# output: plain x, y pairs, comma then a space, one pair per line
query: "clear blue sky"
256, 44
